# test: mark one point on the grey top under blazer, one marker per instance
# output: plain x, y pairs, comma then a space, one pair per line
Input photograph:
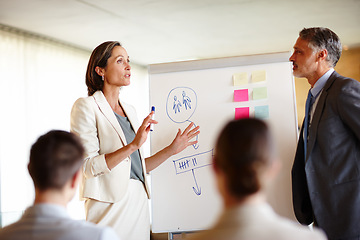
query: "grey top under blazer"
326, 182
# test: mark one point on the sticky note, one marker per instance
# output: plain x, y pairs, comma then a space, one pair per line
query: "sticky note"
259, 93
258, 76
240, 79
243, 112
241, 95
262, 112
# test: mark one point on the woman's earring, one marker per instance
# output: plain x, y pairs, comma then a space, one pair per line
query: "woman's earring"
102, 77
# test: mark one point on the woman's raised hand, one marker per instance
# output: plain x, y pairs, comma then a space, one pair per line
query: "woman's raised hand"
182, 140
143, 131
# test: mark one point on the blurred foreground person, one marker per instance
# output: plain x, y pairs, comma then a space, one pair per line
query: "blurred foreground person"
244, 163
55, 167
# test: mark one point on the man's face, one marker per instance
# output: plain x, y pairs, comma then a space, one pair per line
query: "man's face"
304, 59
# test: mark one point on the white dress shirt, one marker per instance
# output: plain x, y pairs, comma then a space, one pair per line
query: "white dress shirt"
52, 222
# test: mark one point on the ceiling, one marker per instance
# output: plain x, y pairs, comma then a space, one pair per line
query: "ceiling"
155, 31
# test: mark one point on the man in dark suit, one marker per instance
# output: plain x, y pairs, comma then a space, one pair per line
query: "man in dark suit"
326, 170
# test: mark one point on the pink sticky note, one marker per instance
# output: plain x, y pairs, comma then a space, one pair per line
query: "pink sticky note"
242, 112
241, 95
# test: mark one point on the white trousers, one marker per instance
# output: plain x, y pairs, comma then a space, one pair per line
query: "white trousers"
129, 217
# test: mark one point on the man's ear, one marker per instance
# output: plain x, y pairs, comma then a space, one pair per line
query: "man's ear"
322, 55
274, 169
214, 165
76, 179
219, 173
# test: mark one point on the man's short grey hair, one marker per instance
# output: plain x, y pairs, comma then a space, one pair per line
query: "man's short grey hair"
323, 38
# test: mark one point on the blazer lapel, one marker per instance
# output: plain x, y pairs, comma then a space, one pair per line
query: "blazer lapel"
109, 114
317, 114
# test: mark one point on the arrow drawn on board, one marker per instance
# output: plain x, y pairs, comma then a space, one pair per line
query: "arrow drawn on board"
197, 190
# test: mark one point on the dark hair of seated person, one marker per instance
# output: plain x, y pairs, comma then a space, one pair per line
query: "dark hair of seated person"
54, 158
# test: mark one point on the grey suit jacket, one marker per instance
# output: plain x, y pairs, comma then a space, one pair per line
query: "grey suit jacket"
326, 182
51, 222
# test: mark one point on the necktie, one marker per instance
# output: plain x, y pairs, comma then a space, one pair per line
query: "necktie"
309, 102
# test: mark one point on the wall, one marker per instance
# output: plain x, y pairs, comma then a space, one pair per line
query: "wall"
348, 65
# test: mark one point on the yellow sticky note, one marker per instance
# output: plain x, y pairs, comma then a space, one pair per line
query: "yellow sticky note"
259, 93
240, 79
258, 76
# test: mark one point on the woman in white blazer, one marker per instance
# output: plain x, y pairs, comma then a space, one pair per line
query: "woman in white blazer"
114, 185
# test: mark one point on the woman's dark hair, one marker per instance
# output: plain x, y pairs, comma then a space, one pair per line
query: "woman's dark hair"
54, 158
243, 150
98, 57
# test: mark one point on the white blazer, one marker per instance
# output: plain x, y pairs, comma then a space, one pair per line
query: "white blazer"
95, 122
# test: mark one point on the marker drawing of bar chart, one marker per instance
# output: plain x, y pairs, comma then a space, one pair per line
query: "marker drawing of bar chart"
190, 163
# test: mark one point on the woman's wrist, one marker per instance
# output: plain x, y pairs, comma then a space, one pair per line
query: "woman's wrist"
169, 151
133, 146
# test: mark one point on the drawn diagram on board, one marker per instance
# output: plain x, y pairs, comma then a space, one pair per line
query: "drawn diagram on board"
180, 106
190, 163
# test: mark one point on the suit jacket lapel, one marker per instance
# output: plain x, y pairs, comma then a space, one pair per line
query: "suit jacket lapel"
109, 114
318, 113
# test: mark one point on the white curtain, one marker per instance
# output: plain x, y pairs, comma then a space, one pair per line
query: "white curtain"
40, 80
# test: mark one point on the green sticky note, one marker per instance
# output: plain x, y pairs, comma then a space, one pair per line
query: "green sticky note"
259, 93
240, 79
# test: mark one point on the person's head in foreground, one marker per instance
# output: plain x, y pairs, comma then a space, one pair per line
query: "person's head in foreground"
55, 161
244, 160
55, 167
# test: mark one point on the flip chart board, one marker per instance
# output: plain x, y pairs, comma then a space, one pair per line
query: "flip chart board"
209, 93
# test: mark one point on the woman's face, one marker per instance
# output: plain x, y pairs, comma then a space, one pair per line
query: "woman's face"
117, 72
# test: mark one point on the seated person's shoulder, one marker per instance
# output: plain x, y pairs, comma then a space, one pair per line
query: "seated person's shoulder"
87, 230
59, 229
289, 227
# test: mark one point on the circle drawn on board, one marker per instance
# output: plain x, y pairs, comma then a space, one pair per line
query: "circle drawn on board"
181, 104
